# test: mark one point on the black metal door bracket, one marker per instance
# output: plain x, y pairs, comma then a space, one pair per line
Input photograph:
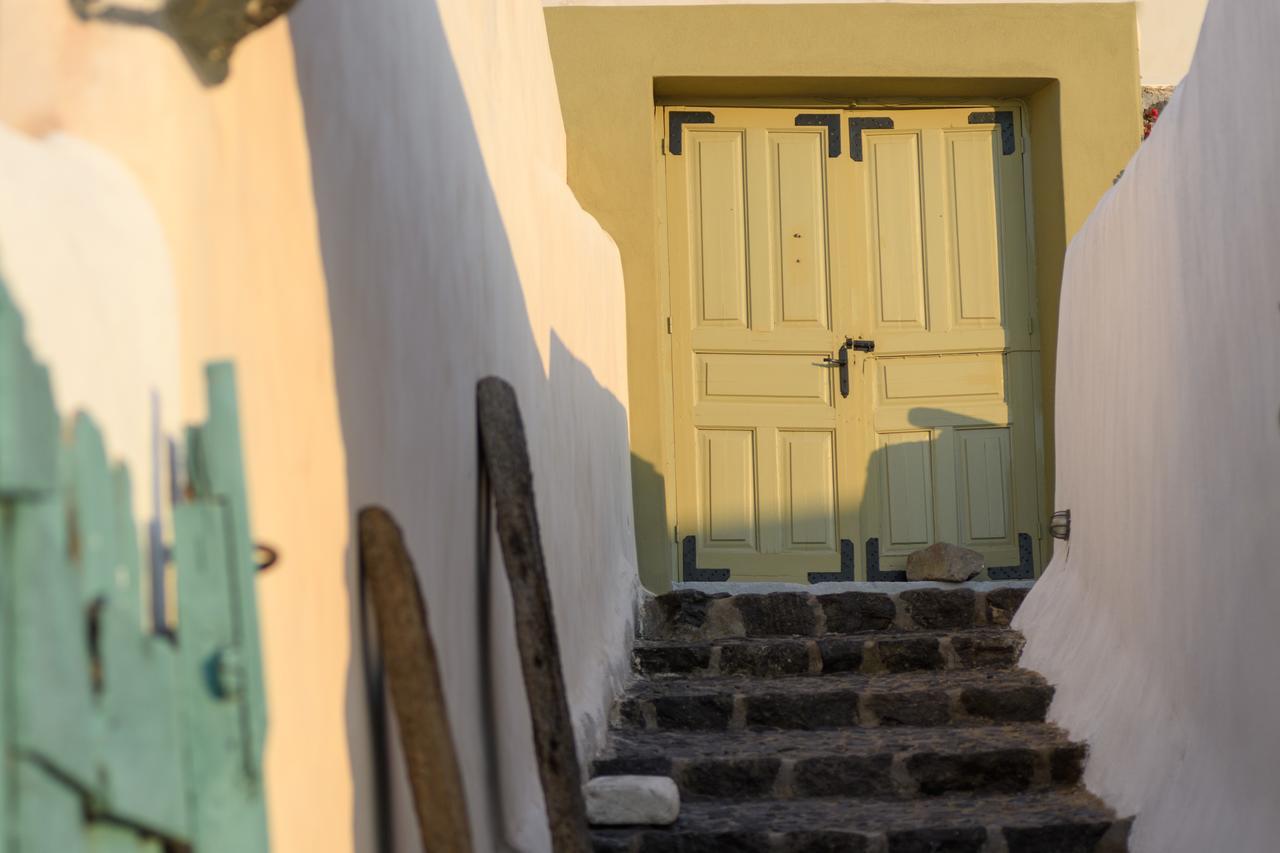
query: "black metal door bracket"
677, 119
1004, 118
689, 564
857, 125
846, 566
827, 120
873, 564
1026, 568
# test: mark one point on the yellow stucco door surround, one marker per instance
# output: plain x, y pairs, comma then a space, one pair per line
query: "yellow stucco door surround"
853, 360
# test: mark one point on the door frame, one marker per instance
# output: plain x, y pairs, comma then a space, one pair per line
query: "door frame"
667, 417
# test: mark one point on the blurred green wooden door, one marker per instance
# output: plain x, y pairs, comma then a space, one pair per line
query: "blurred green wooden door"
118, 737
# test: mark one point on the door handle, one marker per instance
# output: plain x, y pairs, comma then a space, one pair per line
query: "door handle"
841, 361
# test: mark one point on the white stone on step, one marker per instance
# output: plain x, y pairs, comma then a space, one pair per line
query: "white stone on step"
943, 561
627, 800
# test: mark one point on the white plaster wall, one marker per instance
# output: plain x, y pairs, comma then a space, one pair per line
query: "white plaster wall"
1167, 33
84, 258
1167, 28
1158, 622
454, 249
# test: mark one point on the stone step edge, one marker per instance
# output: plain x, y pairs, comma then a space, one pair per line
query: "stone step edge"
892, 775
1112, 836
868, 654
694, 614
1016, 701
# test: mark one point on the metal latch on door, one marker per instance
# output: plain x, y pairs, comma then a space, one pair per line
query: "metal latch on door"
842, 360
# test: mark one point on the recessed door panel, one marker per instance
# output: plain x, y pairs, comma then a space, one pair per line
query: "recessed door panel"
718, 214
897, 239
908, 490
728, 486
798, 208
969, 375
975, 250
807, 469
983, 481
764, 378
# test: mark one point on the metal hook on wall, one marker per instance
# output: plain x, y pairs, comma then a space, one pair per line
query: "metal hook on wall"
206, 30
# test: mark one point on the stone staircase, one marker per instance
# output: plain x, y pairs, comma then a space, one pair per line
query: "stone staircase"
864, 722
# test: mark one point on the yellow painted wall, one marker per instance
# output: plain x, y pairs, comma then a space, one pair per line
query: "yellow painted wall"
1167, 29
1076, 65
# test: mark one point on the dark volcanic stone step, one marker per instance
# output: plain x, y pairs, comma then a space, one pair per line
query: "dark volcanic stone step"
1051, 822
826, 701
852, 762
883, 651
689, 614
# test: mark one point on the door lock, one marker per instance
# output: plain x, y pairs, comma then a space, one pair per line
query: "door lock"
841, 360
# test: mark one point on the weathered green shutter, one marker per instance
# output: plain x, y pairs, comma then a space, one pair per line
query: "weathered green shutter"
117, 739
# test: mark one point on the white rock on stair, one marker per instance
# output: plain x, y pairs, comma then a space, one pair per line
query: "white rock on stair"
626, 800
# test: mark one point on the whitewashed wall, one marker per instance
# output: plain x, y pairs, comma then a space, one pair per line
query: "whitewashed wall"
84, 257
1167, 28
1159, 622
453, 248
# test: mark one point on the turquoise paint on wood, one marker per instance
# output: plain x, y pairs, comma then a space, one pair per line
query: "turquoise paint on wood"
220, 464
140, 744
227, 814
50, 814
92, 502
114, 737
28, 421
51, 677
110, 838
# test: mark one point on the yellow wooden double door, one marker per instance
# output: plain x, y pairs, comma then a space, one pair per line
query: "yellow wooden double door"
853, 342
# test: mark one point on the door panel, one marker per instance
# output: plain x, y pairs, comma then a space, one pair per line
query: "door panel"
718, 205
728, 473
807, 468
763, 378
971, 376
908, 490
983, 475
975, 247
798, 232
778, 252
897, 240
